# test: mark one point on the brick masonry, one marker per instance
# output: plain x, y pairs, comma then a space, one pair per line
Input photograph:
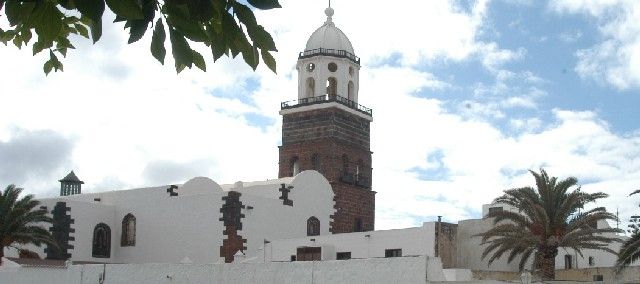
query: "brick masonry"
335, 143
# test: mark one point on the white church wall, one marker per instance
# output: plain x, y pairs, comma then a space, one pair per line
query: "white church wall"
85, 217
418, 241
386, 270
470, 248
172, 228
271, 219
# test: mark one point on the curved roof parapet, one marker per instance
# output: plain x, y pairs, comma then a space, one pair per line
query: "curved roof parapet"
199, 185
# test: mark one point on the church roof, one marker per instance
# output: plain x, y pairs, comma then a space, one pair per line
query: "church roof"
328, 36
71, 177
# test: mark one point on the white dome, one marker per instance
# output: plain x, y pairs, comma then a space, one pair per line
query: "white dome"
329, 36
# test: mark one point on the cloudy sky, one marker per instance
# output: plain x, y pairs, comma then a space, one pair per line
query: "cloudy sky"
467, 96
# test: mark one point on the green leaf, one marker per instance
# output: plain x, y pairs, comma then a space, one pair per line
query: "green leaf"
18, 12
251, 57
92, 9
245, 14
40, 46
178, 17
82, 30
180, 49
137, 30
6, 36
265, 4
129, 9
13, 12
268, 60
180, 67
233, 35
26, 35
261, 38
52, 63
48, 66
201, 10
96, 30
218, 43
218, 48
198, 60
17, 41
157, 42
47, 21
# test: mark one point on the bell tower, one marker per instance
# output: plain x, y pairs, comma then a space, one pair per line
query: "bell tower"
70, 185
326, 129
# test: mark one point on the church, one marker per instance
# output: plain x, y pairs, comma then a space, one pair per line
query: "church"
323, 185
321, 207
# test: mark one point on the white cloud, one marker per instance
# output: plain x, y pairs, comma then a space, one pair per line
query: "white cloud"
616, 59
570, 37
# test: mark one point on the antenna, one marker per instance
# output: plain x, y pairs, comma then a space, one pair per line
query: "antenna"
329, 3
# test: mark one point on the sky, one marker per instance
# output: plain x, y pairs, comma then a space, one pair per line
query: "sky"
467, 96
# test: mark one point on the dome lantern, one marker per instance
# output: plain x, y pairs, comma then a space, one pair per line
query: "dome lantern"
328, 65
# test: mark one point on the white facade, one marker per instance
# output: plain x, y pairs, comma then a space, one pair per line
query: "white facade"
170, 229
418, 241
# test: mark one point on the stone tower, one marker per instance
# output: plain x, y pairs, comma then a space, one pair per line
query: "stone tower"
70, 185
326, 129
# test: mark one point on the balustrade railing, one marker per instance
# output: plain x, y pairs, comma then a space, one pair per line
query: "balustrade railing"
330, 52
325, 99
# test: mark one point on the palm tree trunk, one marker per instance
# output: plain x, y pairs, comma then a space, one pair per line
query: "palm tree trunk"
548, 267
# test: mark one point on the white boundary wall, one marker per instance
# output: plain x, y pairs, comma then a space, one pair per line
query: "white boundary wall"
382, 270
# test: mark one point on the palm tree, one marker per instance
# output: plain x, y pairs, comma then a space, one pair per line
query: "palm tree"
630, 250
549, 217
20, 224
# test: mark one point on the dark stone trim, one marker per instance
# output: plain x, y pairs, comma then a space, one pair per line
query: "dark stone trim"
284, 189
172, 190
232, 220
61, 231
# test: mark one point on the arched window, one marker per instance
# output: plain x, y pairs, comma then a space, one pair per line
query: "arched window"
357, 225
350, 94
313, 226
128, 231
315, 161
294, 166
332, 86
359, 169
101, 241
311, 87
345, 164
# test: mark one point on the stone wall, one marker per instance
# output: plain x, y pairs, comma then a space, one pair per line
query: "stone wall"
325, 123
446, 244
